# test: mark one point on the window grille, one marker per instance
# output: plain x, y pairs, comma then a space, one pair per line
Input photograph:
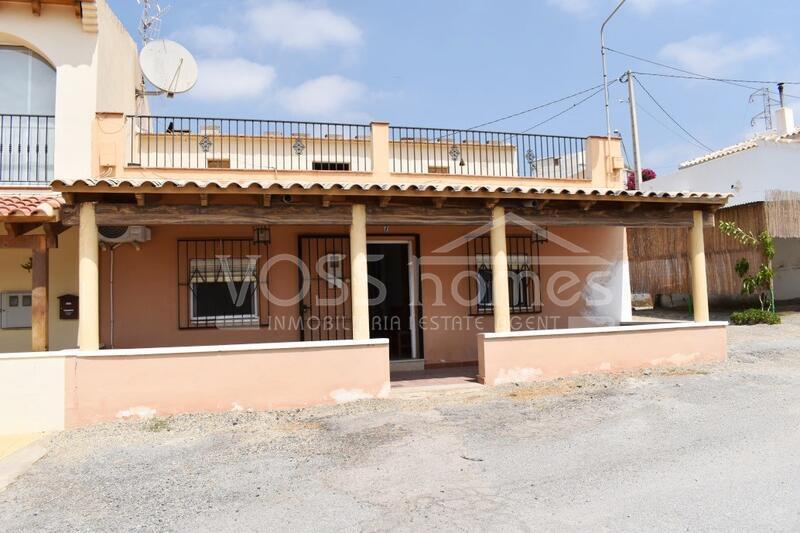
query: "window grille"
524, 279
219, 283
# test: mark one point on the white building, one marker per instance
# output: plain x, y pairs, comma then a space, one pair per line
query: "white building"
766, 162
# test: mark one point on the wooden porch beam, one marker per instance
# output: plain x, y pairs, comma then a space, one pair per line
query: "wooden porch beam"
455, 216
24, 241
39, 297
15, 230
156, 215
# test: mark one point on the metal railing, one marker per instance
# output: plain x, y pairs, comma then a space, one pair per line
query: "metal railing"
26, 149
486, 153
191, 142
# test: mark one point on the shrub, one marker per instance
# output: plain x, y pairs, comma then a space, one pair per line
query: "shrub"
749, 317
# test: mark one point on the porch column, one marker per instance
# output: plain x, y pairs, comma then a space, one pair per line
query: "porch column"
88, 280
497, 245
359, 287
697, 258
39, 297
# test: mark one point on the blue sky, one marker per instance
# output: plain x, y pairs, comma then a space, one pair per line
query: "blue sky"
458, 63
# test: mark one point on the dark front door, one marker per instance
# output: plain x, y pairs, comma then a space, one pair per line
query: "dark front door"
390, 297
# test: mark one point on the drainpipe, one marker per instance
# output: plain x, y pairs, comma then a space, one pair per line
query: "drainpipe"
111, 295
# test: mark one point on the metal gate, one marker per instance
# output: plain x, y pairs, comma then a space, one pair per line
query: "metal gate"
325, 312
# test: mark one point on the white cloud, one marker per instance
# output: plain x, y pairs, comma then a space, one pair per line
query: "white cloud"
294, 25
230, 79
208, 39
323, 96
709, 54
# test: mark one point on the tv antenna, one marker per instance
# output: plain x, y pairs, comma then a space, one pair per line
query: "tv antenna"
765, 95
150, 21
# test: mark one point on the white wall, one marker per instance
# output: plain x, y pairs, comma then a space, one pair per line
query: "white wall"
32, 393
787, 269
768, 166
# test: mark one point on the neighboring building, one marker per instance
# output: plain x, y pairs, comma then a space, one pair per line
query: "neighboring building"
763, 173
748, 170
161, 246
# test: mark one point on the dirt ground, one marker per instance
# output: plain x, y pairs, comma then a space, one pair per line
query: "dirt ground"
702, 448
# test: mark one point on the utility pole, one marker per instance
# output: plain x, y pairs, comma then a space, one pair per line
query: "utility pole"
605, 71
637, 162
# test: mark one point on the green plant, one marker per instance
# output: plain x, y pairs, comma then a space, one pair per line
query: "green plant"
755, 316
761, 282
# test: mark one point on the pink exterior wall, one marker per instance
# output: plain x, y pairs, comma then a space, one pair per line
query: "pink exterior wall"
537, 356
102, 386
146, 294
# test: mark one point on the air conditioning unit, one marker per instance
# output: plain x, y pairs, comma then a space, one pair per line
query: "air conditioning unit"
121, 234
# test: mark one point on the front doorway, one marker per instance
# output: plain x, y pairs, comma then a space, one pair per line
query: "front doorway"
391, 310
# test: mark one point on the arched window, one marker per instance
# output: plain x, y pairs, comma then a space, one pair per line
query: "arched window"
28, 83
27, 123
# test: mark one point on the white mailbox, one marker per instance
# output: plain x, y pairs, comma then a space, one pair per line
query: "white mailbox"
15, 309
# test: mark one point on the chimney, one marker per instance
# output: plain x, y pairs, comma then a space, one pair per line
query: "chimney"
784, 116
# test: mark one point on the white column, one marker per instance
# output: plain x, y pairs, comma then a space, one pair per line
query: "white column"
88, 280
359, 286
697, 260
497, 245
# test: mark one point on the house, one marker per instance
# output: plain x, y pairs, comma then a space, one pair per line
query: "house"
762, 174
194, 264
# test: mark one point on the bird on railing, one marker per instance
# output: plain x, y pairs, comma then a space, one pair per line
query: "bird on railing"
170, 127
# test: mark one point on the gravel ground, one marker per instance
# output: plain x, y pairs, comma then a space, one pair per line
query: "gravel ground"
703, 448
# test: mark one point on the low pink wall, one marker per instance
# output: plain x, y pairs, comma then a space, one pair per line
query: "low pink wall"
115, 384
541, 355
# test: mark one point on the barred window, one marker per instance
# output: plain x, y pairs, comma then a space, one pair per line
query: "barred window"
218, 283
524, 288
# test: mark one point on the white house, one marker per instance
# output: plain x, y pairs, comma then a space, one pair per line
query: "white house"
763, 169
749, 169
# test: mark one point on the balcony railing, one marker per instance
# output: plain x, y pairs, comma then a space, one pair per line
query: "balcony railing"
219, 143
486, 153
26, 149
189, 142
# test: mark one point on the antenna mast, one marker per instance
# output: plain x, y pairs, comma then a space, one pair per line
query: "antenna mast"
766, 101
150, 21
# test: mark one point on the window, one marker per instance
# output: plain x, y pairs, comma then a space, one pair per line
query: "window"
326, 165
524, 289
28, 83
218, 283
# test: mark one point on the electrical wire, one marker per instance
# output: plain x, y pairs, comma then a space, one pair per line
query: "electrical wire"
541, 106
671, 130
570, 108
670, 116
695, 75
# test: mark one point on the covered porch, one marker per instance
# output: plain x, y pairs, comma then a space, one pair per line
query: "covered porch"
428, 267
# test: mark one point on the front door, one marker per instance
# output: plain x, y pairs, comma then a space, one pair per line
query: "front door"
390, 297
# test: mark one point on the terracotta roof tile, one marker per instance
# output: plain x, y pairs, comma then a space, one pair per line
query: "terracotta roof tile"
29, 205
364, 186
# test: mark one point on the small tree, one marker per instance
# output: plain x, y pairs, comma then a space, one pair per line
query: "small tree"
761, 282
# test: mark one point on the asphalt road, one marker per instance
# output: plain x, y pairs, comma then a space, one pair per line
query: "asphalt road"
710, 448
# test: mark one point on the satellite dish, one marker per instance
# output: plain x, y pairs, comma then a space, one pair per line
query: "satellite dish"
168, 66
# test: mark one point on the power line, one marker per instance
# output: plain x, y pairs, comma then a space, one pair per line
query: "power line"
659, 122
670, 116
570, 108
694, 75
541, 106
